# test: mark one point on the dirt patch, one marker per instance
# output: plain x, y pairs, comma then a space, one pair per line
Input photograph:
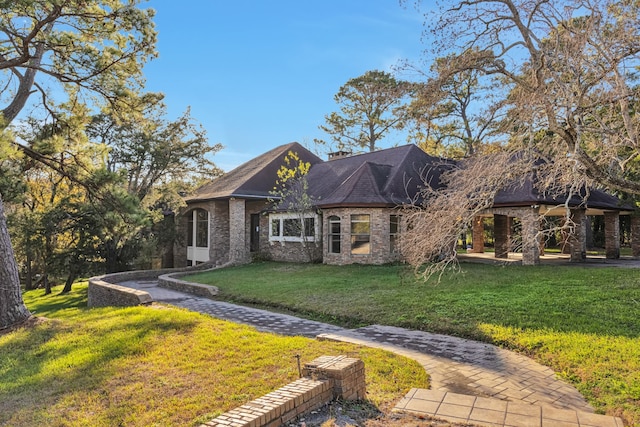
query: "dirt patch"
31, 322
348, 414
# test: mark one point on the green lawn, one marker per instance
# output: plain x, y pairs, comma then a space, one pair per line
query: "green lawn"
584, 322
157, 365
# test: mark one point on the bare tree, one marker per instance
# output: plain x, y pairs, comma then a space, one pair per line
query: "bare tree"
569, 73
466, 189
571, 67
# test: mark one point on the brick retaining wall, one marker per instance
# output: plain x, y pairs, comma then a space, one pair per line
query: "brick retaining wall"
325, 379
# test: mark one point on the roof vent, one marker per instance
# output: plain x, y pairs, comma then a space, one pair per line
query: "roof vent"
339, 155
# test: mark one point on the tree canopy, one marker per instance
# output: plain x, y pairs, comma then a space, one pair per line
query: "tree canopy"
371, 105
567, 78
571, 67
92, 52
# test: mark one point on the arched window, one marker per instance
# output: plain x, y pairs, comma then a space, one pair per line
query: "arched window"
198, 236
334, 234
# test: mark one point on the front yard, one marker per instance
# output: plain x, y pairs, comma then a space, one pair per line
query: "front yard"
582, 322
158, 366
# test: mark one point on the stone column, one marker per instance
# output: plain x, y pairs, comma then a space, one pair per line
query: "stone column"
612, 234
501, 234
635, 236
477, 235
238, 252
530, 240
578, 239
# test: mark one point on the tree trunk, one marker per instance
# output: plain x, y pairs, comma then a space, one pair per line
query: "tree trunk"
47, 284
12, 308
67, 285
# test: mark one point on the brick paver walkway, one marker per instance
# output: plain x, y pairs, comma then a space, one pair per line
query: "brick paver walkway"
457, 366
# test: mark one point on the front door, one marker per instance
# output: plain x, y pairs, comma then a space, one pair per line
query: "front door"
255, 233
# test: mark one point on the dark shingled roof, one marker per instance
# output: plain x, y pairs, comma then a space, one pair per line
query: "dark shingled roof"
527, 194
253, 179
382, 178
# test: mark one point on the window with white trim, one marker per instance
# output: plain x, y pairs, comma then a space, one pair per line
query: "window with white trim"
288, 227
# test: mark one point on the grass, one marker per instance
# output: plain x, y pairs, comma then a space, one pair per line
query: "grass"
152, 366
583, 322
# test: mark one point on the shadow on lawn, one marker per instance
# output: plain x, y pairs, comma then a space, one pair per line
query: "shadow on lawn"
79, 352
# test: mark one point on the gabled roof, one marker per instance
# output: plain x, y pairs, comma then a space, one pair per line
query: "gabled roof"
254, 179
388, 177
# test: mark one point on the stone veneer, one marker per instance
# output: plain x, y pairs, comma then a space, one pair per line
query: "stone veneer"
612, 234
635, 236
325, 379
380, 249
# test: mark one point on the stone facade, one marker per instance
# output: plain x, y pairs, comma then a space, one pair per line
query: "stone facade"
612, 234
635, 236
380, 251
477, 235
219, 232
501, 233
530, 238
309, 251
578, 239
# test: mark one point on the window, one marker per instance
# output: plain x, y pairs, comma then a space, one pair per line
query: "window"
197, 236
334, 235
202, 228
394, 231
190, 229
198, 228
289, 228
360, 234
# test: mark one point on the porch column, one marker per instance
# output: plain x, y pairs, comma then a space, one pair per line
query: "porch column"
612, 234
578, 238
635, 236
501, 234
477, 235
238, 252
530, 240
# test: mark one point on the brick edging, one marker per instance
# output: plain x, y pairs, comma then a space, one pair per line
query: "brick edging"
325, 379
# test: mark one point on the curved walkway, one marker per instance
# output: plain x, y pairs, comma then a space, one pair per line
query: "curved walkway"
456, 366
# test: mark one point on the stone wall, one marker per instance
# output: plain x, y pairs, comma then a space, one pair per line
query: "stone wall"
325, 379
635, 236
104, 294
104, 290
612, 234
380, 249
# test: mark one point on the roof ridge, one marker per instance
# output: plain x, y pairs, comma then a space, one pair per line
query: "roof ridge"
359, 171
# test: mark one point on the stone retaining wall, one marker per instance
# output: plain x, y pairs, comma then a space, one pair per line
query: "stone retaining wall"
325, 379
104, 291
104, 294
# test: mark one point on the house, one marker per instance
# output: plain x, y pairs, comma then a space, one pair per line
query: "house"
355, 217
231, 219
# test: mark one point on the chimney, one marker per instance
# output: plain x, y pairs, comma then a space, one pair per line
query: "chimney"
339, 155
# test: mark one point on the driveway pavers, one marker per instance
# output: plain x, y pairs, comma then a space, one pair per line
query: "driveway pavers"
457, 366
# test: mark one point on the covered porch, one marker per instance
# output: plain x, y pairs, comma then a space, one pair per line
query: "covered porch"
528, 244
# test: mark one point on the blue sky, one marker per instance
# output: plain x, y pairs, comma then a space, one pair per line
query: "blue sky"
258, 74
